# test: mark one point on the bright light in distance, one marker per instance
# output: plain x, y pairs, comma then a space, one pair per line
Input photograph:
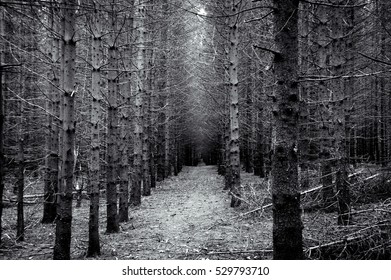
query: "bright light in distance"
202, 12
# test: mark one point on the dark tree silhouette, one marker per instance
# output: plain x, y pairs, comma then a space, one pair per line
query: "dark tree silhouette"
287, 225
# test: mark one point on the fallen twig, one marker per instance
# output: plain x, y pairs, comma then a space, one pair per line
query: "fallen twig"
369, 210
230, 252
304, 193
349, 238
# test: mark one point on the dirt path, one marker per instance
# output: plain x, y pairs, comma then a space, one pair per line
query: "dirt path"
186, 217
189, 217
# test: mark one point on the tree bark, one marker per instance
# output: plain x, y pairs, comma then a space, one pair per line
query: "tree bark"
20, 156
342, 26
112, 225
64, 219
135, 197
94, 188
259, 164
2, 161
20, 187
228, 168
52, 137
146, 191
162, 84
287, 225
249, 119
151, 120
234, 108
125, 126
1, 148
167, 140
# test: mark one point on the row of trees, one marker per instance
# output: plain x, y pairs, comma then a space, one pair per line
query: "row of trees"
314, 95
131, 90
110, 96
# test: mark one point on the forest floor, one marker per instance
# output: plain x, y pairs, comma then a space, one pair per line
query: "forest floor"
188, 217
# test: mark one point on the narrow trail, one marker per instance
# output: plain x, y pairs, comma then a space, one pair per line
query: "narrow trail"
189, 217
186, 217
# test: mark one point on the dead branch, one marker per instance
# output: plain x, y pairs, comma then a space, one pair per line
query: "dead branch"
347, 239
230, 252
304, 193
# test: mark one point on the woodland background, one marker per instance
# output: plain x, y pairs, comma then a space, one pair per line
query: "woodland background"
105, 100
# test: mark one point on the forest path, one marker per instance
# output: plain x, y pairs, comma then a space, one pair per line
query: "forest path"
188, 217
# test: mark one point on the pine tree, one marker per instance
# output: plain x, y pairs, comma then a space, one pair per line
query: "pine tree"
68, 71
287, 225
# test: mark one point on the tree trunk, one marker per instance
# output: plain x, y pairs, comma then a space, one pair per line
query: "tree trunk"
94, 188
221, 154
228, 169
152, 117
167, 142
175, 153
248, 127
1, 146
20, 187
162, 84
52, 159
135, 197
112, 225
342, 26
321, 90
20, 157
146, 191
2, 85
64, 219
125, 125
287, 225
259, 164
234, 108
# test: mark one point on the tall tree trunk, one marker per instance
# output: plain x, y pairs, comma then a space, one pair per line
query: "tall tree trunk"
152, 117
167, 140
234, 107
175, 151
52, 158
94, 188
342, 26
228, 168
2, 161
112, 225
287, 225
125, 124
20, 187
135, 197
385, 20
146, 191
221, 153
321, 91
248, 127
20, 157
304, 120
61, 132
259, 164
64, 220
162, 84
